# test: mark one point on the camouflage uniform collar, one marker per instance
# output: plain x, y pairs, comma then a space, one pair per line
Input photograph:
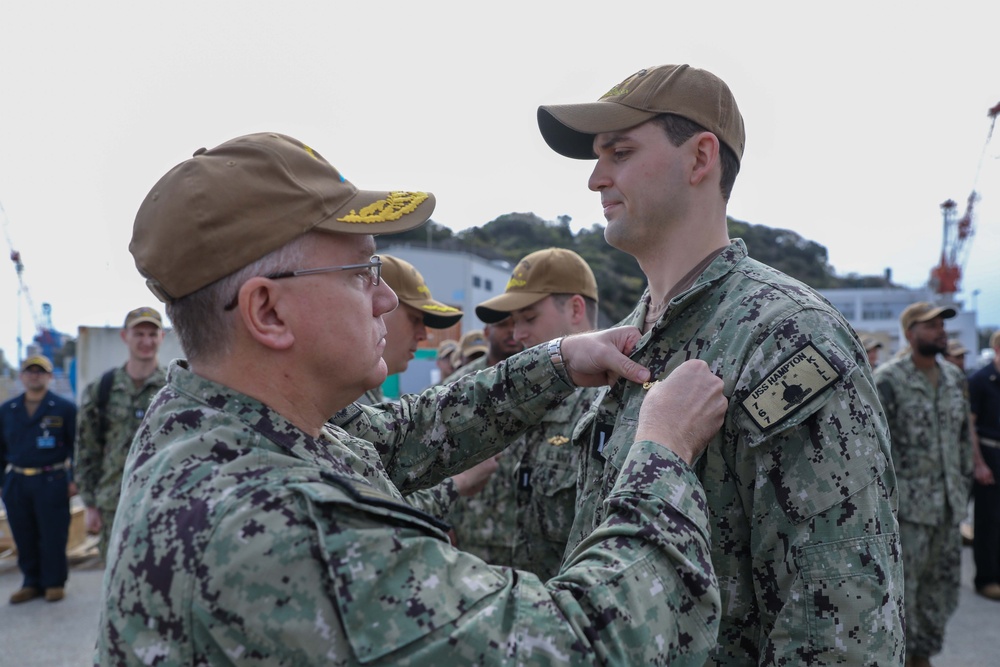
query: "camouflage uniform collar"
721, 266
258, 417
157, 377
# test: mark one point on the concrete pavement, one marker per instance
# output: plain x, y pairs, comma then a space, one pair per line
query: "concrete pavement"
58, 634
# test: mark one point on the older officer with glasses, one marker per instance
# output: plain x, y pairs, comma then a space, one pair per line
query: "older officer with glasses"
250, 531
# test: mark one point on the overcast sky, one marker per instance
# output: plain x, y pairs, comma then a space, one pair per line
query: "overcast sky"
861, 117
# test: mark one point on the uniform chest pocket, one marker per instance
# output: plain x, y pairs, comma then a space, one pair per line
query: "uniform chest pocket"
395, 579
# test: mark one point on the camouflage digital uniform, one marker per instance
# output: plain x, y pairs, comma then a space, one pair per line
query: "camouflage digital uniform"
523, 515
932, 455
799, 481
437, 500
242, 540
477, 364
99, 466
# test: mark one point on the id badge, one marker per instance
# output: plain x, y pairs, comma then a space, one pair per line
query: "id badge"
45, 442
601, 436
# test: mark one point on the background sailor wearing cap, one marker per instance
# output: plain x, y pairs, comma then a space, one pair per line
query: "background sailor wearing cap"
111, 409
872, 347
926, 404
472, 347
984, 394
523, 515
405, 327
955, 353
799, 481
487, 347
443, 359
252, 531
37, 430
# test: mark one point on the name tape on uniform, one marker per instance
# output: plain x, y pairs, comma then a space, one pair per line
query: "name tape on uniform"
785, 390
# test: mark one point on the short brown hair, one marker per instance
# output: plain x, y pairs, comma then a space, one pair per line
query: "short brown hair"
680, 129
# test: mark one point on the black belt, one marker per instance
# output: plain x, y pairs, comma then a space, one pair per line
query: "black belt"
30, 472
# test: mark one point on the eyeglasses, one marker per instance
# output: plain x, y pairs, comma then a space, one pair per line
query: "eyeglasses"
373, 265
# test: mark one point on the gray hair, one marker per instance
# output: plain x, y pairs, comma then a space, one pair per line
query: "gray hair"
200, 319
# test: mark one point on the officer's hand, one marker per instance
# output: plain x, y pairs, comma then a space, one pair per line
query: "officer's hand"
470, 482
983, 474
72, 490
683, 411
599, 358
92, 520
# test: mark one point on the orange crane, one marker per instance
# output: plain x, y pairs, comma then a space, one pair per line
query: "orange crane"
958, 232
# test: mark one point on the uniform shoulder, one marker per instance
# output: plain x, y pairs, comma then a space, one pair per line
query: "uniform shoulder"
771, 278
889, 368
954, 373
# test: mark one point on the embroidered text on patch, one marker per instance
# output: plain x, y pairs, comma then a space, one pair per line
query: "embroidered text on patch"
394, 207
796, 381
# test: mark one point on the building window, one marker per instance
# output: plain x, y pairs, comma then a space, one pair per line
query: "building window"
489, 285
477, 281
877, 311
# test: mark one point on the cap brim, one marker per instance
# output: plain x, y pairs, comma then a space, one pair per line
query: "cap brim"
140, 320
569, 129
437, 315
439, 321
378, 212
945, 313
500, 307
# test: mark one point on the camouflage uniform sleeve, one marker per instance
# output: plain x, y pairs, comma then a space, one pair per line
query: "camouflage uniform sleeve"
320, 577
89, 458
824, 556
446, 429
437, 500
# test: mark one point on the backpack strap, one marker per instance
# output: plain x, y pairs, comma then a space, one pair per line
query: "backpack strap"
103, 396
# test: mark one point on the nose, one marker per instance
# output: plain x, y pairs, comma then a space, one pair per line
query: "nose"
598, 177
384, 300
421, 331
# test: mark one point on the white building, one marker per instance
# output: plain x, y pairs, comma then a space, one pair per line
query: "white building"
875, 311
459, 279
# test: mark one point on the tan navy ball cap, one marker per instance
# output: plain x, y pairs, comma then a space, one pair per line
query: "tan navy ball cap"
686, 91
409, 286
955, 348
473, 344
870, 343
923, 311
544, 272
143, 314
37, 360
446, 348
229, 206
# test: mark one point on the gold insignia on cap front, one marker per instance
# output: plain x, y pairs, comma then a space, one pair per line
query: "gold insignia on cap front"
520, 276
395, 207
440, 308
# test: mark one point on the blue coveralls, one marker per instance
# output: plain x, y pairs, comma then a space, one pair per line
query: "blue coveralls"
38, 504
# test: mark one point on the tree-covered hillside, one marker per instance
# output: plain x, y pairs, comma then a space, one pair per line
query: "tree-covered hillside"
620, 281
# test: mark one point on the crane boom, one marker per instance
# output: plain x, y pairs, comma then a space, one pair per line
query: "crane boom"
958, 232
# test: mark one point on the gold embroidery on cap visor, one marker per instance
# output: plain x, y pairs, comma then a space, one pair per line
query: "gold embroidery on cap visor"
442, 308
394, 207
